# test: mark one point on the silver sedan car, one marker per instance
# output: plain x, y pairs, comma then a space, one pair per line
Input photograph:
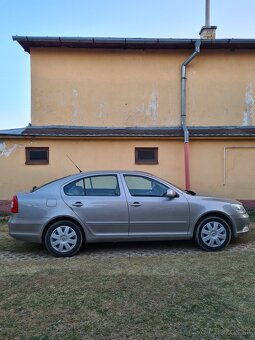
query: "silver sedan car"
122, 206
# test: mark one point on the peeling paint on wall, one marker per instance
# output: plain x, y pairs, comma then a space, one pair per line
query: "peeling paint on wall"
5, 151
152, 108
102, 110
75, 93
144, 113
140, 108
75, 110
249, 105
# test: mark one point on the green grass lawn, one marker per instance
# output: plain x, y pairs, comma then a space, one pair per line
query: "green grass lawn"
194, 296
252, 216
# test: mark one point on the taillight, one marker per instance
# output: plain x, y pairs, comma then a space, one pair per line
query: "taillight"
15, 205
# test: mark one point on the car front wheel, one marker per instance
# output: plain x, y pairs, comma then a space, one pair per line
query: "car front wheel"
213, 233
63, 239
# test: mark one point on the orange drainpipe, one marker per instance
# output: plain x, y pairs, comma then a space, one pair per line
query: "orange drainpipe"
183, 114
186, 165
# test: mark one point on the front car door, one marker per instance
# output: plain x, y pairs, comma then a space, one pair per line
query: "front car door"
100, 202
151, 213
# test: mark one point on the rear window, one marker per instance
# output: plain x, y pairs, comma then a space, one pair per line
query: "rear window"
43, 185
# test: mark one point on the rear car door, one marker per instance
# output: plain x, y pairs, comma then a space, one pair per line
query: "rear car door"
99, 201
151, 213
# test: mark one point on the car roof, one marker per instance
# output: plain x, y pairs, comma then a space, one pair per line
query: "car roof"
114, 171
96, 172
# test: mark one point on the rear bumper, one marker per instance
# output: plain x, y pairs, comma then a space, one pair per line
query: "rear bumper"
26, 229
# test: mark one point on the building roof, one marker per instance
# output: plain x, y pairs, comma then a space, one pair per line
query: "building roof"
28, 42
12, 132
127, 132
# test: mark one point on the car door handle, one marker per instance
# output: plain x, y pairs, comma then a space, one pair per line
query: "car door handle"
135, 204
77, 204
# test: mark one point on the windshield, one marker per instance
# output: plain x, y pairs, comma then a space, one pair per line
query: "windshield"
173, 185
189, 192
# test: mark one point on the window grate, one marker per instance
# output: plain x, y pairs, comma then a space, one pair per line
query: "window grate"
37, 156
146, 155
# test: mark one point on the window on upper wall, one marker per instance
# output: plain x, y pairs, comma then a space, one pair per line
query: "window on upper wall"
37, 156
146, 155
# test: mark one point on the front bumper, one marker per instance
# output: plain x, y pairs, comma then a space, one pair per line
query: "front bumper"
242, 225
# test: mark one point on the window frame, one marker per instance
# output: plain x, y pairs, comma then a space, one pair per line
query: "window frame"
145, 161
36, 162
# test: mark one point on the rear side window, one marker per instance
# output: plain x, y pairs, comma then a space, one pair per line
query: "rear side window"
75, 188
106, 185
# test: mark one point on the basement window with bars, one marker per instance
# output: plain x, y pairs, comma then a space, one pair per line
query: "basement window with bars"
146, 155
37, 156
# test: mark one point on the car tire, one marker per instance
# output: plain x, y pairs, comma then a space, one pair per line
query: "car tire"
213, 233
63, 239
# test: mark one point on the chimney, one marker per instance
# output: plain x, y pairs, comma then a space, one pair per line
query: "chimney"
207, 31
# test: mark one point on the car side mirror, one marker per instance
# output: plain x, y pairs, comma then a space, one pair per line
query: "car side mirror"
171, 193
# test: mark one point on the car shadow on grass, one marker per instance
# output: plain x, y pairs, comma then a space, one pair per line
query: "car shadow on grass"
21, 249
14, 249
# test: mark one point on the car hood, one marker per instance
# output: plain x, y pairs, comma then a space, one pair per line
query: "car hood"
210, 197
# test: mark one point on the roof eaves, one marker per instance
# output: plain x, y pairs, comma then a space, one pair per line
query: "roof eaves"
100, 132
28, 42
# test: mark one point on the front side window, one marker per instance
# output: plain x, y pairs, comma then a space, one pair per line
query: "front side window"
37, 156
144, 186
106, 185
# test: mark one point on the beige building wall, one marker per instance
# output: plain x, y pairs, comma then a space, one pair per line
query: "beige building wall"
223, 167
206, 162
86, 87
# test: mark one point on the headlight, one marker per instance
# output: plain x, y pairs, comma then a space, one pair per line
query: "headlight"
239, 208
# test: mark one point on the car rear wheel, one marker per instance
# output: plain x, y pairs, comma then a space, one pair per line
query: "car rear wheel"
63, 239
213, 233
